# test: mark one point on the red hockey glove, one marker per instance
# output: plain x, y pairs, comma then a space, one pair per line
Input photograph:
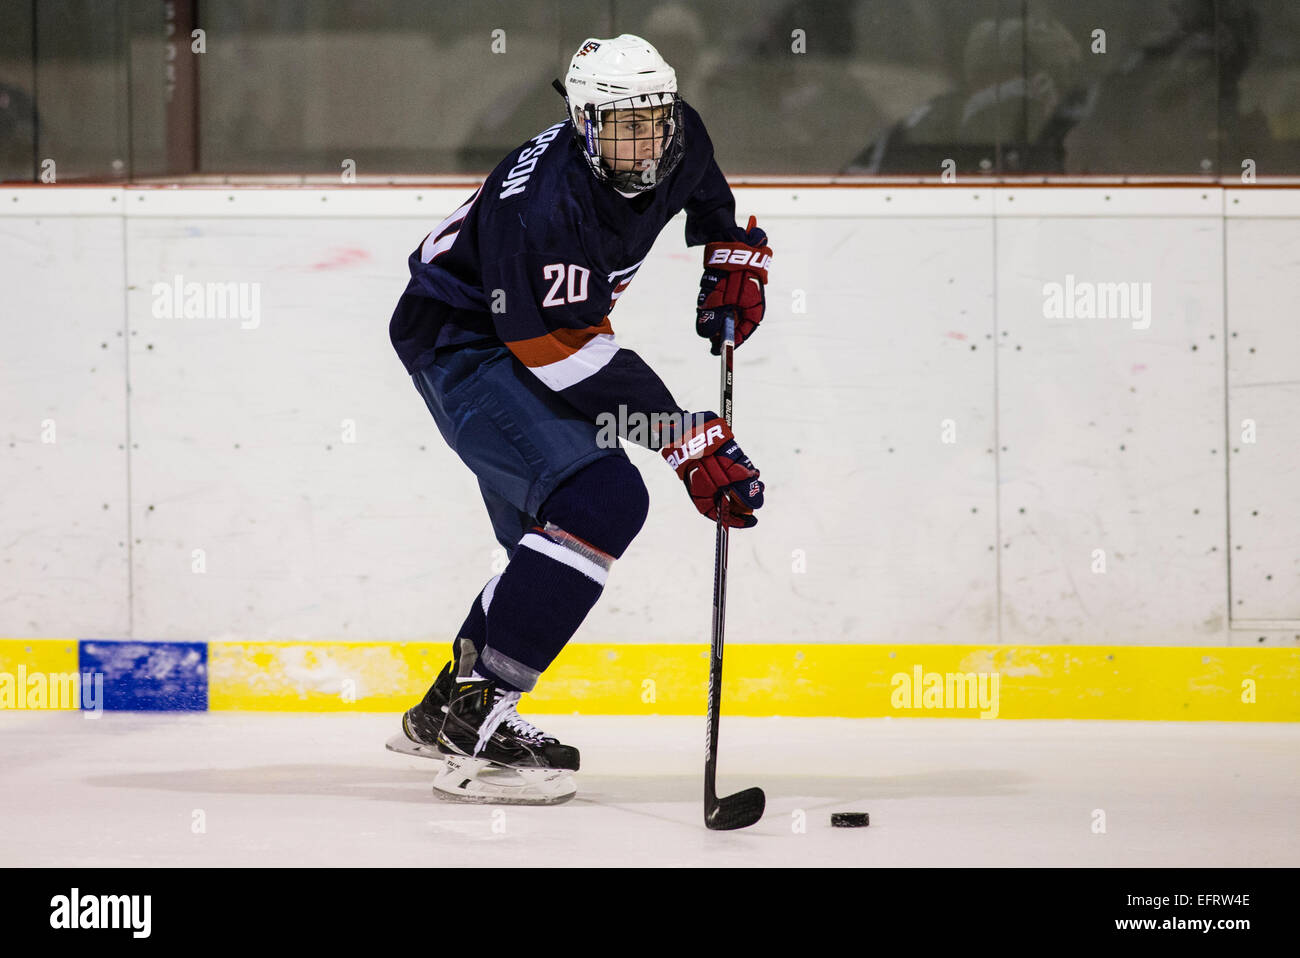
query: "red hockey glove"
734, 276
710, 463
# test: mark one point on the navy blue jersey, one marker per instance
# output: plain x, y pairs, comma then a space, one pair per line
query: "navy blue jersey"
537, 257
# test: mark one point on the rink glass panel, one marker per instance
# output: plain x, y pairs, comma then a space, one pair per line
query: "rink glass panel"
64, 91
1183, 87
397, 87
17, 81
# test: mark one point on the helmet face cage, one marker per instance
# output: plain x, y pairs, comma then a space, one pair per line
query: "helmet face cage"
657, 118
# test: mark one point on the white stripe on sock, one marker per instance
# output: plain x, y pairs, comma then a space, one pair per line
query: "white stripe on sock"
564, 556
488, 591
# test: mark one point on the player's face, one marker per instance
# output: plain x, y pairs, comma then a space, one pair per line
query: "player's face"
633, 139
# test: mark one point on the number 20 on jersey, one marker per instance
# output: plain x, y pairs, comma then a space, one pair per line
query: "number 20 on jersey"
575, 290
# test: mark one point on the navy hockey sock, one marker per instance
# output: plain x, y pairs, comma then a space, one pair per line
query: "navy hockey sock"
559, 569
474, 630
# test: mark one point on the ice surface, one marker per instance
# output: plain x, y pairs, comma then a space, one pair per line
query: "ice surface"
304, 789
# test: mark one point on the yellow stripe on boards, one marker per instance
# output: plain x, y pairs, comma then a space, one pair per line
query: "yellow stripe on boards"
850, 681
928, 681
36, 673
322, 676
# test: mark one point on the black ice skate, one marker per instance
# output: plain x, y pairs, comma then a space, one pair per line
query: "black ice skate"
422, 722
492, 754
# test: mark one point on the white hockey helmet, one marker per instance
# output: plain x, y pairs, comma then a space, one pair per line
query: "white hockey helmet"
625, 73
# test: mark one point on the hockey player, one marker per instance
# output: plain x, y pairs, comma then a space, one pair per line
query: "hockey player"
504, 328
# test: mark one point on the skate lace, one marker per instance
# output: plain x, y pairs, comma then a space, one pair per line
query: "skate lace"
517, 722
503, 711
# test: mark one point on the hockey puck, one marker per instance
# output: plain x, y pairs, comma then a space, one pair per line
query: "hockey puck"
850, 819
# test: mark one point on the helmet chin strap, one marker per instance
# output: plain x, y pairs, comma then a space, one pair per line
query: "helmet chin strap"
626, 180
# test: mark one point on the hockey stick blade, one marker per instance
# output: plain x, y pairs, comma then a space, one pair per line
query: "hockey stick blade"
736, 811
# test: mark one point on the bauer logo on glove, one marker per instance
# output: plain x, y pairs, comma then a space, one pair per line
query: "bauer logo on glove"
734, 276
693, 447
731, 256
711, 464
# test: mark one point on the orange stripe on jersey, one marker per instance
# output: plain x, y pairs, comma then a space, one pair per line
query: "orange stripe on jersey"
556, 345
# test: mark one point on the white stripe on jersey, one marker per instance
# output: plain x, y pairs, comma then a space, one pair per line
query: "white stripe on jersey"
594, 355
564, 556
430, 252
620, 272
433, 246
489, 590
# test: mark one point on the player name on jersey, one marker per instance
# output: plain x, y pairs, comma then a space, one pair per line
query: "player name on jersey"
526, 162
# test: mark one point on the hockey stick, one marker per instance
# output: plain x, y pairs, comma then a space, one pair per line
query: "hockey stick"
743, 808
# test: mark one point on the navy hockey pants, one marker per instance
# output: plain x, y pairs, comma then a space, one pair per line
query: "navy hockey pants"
519, 438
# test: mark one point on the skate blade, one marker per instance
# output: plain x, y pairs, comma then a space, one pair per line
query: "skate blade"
476, 781
404, 746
